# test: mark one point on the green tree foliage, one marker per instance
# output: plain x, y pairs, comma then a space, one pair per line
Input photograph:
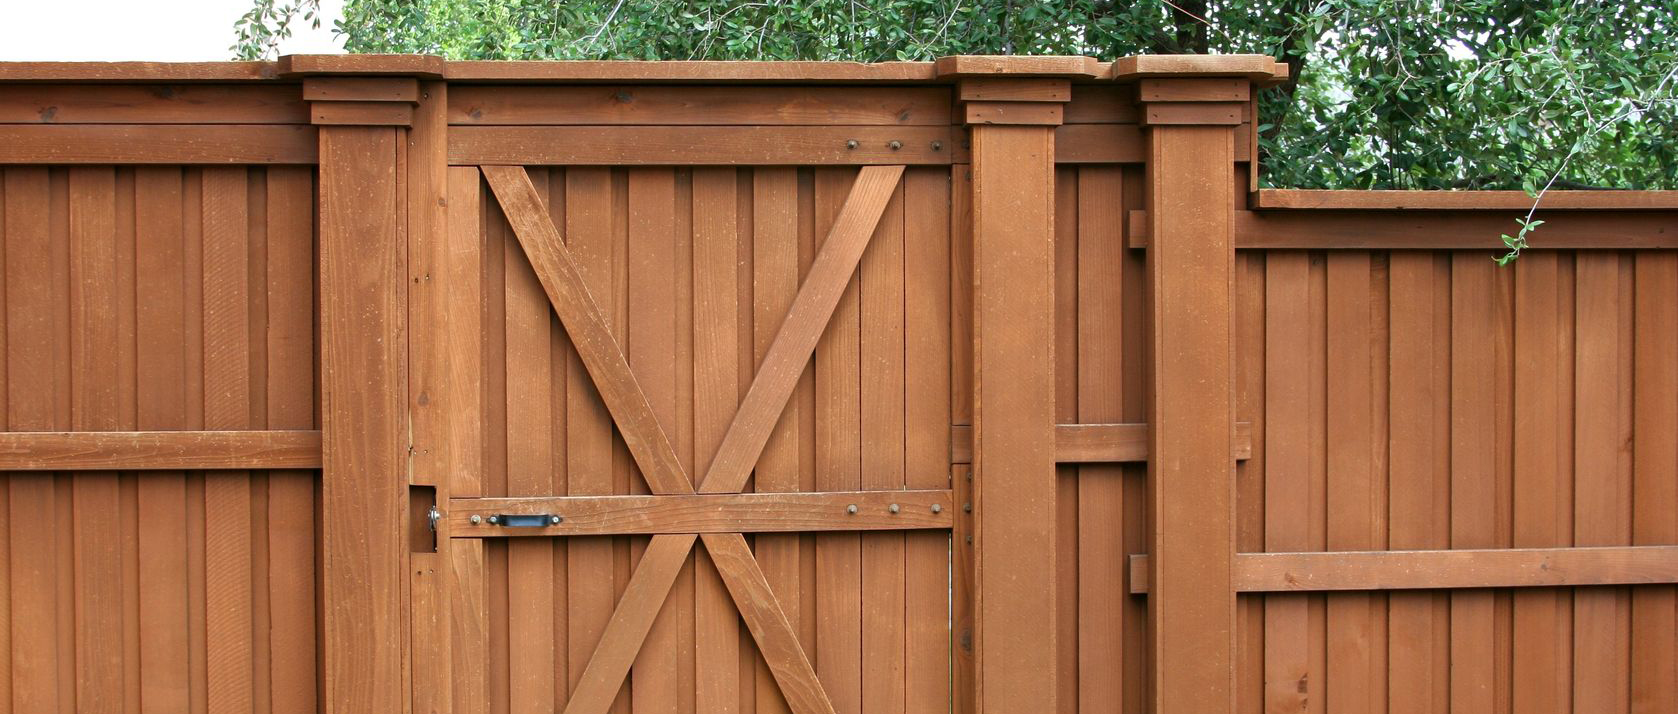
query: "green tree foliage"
1388, 93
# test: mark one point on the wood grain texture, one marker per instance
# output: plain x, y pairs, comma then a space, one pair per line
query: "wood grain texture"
363, 387
1013, 417
655, 105
698, 145
1095, 443
159, 450
1444, 569
1191, 266
706, 513
156, 144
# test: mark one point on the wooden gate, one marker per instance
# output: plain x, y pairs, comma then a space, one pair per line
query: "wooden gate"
640, 396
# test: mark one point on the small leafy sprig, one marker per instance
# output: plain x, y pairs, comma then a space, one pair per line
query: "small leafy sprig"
1518, 242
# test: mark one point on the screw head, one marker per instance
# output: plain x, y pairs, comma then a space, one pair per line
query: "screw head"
937, 146
895, 144
476, 519
555, 520
967, 507
851, 144
893, 508
851, 509
937, 508
494, 520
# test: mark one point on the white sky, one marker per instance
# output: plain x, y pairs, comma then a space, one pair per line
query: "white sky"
156, 30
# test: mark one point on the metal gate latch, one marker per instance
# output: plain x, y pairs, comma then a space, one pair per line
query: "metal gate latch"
526, 520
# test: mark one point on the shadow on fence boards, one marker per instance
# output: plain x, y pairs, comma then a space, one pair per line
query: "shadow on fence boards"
984, 386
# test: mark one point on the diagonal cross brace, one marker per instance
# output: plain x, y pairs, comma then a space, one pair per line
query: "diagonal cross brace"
743, 443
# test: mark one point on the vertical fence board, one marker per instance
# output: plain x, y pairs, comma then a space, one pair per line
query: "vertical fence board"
1602, 494
716, 394
881, 370
774, 283
926, 555
160, 300
1542, 683
838, 468
1654, 610
651, 350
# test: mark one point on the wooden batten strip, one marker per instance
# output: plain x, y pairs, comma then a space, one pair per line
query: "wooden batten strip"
362, 113
153, 104
660, 105
700, 145
1017, 113
1094, 443
1110, 144
1443, 569
1308, 199
708, 513
1193, 113
362, 89
1207, 89
158, 450
158, 144
1470, 229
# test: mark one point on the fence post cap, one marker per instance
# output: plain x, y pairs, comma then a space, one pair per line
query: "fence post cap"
1060, 66
1261, 69
417, 66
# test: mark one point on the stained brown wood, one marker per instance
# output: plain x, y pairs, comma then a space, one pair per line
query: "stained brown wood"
655, 105
1191, 113
372, 89
158, 104
1444, 569
690, 145
1013, 417
364, 439
1045, 113
361, 113
1306, 199
156, 144
1095, 443
159, 450
802, 328
1214, 89
638, 632
1402, 394
707, 513
703, 72
593, 341
1191, 266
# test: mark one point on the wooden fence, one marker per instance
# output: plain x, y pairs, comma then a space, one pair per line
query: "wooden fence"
990, 385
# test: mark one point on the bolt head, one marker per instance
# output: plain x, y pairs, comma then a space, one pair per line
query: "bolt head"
851, 509
937, 508
494, 520
895, 145
893, 508
851, 144
554, 520
476, 519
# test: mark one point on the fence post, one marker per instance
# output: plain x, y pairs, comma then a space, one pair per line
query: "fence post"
1191, 108
1012, 111
363, 124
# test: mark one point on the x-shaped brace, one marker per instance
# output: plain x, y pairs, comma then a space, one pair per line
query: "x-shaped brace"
741, 446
